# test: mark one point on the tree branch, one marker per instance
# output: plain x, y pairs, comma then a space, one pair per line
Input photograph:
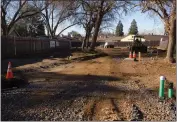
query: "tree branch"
157, 12
67, 28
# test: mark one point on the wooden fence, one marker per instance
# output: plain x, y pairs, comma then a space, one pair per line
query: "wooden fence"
18, 46
147, 43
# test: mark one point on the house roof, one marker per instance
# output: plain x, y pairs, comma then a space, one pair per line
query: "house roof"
113, 38
69, 38
118, 38
154, 37
146, 37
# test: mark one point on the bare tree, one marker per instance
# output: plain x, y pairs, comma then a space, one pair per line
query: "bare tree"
166, 10
98, 15
11, 13
87, 20
57, 13
107, 9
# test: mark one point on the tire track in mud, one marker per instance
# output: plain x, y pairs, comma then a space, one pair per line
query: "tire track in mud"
102, 109
107, 108
131, 81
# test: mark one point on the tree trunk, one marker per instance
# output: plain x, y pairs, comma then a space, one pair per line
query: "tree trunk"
95, 34
48, 33
4, 29
85, 39
88, 36
84, 42
87, 42
172, 42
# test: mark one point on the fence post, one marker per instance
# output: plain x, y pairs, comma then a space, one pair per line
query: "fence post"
34, 46
41, 45
15, 50
30, 42
55, 45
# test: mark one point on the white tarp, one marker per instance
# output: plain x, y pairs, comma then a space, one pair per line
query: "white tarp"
163, 44
108, 43
52, 44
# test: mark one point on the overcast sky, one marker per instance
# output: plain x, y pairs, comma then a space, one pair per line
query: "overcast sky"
144, 21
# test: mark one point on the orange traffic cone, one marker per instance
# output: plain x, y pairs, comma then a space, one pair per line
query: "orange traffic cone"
9, 72
134, 54
130, 55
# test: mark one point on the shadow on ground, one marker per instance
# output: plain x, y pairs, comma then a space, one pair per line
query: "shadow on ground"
22, 61
59, 90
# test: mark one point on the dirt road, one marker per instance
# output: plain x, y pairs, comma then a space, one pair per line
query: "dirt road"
97, 88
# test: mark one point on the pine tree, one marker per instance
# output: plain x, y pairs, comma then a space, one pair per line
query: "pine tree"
133, 28
119, 29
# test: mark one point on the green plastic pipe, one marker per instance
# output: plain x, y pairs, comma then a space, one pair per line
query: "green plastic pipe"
170, 93
170, 90
161, 89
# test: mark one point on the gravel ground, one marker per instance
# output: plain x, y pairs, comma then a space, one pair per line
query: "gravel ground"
154, 110
23, 104
18, 105
46, 99
148, 103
